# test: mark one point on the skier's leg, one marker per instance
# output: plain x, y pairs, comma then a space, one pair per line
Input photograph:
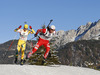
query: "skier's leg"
23, 52
16, 57
22, 57
47, 46
18, 50
39, 43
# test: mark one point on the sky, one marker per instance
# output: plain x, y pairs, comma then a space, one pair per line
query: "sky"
66, 15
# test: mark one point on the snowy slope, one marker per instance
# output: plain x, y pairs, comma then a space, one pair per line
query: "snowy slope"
45, 70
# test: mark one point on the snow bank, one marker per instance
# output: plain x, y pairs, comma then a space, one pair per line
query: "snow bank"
45, 70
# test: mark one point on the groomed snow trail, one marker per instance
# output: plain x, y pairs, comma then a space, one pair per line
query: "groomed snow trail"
45, 70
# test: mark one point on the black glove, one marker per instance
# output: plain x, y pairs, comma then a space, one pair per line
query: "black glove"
48, 28
35, 35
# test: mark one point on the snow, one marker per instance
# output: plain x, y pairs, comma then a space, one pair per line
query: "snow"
45, 70
77, 38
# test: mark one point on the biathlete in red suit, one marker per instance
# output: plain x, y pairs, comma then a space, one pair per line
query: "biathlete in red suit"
44, 38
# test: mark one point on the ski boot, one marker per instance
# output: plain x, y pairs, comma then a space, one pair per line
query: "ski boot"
22, 62
16, 59
44, 61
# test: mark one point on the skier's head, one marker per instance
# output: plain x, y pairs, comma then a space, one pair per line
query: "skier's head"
52, 28
25, 27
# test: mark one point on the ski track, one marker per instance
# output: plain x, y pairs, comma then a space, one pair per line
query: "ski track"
45, 70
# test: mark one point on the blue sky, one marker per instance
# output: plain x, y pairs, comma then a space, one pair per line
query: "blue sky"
67, 14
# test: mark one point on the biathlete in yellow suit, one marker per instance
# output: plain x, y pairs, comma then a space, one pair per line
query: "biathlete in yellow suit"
22, 40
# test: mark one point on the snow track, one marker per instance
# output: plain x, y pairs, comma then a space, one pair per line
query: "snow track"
45, 70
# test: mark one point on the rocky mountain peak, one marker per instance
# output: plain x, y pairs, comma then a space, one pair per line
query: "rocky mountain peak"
85, 32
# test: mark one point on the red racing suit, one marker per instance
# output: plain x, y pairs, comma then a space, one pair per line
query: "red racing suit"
44, 38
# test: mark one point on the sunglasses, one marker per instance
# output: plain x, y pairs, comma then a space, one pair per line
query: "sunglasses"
25, 28
52, 29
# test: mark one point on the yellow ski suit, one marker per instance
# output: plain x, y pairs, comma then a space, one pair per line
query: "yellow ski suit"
22, 40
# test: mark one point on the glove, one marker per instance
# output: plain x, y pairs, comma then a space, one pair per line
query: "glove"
19, 26
48, 27
35, 35
30, 27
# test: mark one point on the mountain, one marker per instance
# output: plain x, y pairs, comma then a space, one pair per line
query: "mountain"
63, 37
84, 32
85, 53
45, 70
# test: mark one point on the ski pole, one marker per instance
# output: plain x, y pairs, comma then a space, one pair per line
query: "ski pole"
32, 38
31, 42
12, 41
29, 39
5, 54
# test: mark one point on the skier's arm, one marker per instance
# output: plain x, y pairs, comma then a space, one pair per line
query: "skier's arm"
17, 28
40, 30
32, 31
